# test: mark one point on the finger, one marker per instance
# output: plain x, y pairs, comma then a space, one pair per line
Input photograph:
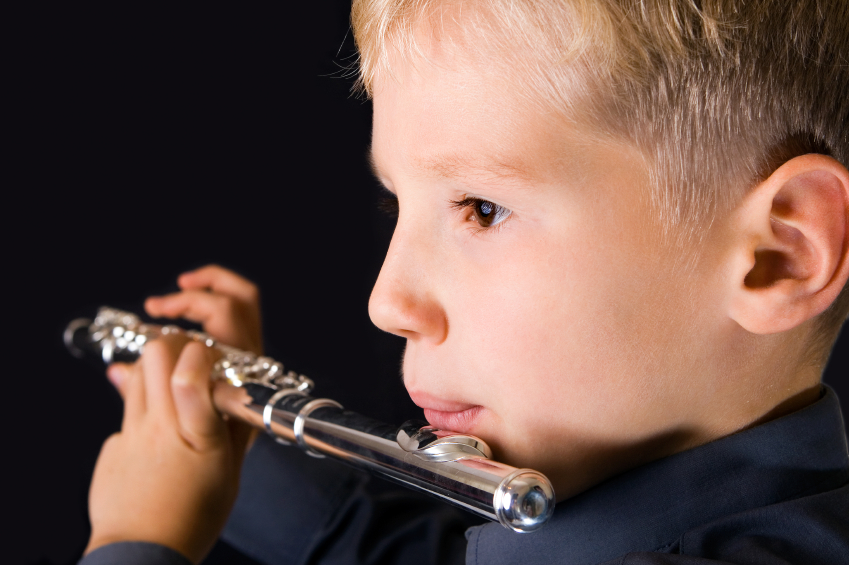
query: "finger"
118, 373
200, 423
135, 403
194, 305
221, 316
157, 362
220, 280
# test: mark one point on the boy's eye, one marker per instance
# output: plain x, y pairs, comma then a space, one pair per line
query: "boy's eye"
487, 214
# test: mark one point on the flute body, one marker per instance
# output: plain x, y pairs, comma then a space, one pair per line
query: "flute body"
454, 467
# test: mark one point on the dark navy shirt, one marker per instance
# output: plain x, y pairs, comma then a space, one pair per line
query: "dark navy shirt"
777, 493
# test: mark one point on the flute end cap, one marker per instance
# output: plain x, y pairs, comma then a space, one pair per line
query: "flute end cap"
524, 501
74, 333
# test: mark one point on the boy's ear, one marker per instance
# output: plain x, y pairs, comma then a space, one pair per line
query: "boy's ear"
791, 245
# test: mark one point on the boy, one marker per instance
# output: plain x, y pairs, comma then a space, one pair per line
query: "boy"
621, 258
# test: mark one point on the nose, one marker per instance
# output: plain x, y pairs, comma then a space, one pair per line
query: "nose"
403, 301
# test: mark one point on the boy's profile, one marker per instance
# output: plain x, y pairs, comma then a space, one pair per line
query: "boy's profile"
621, 258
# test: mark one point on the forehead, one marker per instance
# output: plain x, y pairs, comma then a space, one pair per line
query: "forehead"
449, 117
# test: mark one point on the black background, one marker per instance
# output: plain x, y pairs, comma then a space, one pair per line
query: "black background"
146, 143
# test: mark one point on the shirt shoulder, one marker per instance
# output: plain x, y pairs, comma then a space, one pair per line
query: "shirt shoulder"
810, 530
134, 553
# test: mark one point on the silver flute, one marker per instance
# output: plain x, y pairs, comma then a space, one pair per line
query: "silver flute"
457, 468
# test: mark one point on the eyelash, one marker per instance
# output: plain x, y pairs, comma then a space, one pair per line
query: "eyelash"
476, 207
389, 205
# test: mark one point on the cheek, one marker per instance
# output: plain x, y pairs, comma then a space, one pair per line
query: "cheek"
563, 320
534, 311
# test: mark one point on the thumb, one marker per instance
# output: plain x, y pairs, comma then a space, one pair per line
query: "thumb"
200, 423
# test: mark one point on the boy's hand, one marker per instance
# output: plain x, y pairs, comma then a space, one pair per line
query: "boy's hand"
226, 304
171, 475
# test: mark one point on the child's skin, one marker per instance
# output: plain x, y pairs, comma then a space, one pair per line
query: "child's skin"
171, 475
569, 336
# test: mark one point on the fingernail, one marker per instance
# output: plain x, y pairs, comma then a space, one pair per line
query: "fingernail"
116, 375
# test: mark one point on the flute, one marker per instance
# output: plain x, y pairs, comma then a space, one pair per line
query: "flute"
454, 467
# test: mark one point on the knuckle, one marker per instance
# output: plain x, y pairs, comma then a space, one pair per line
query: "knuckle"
227, 303
181, 381
252, 290
112, 442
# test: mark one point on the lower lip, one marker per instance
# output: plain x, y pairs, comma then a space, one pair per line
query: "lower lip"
462, 421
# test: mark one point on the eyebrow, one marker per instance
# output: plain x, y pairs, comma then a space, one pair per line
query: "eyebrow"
456, 166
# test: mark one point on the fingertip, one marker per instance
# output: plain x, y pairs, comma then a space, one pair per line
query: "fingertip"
117, 375
185, 280
120, 375
153, 305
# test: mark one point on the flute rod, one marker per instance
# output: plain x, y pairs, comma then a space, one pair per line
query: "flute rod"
454, 467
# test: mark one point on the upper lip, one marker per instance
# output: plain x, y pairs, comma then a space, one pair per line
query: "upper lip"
428, 402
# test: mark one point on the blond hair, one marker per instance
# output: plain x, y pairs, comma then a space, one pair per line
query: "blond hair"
716, 93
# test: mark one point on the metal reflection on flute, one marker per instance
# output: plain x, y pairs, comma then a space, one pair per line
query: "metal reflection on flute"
455, 467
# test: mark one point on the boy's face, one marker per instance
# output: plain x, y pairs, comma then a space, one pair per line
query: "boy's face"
547, 316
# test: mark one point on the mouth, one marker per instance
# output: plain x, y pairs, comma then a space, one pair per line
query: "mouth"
447, 415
